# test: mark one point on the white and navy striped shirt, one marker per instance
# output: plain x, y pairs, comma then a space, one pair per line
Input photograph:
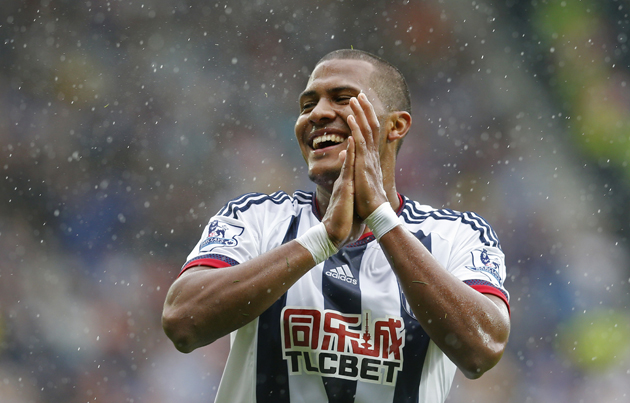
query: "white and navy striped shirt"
343, 332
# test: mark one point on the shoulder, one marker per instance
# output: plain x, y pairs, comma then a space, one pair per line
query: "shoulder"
443, 220
261, 202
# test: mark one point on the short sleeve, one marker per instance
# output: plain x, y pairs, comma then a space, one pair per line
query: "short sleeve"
476, 257
244, 228
225, 242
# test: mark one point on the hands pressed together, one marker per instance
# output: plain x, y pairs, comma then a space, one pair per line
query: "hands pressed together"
359, 189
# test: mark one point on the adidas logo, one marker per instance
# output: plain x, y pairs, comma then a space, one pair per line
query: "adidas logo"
342, 273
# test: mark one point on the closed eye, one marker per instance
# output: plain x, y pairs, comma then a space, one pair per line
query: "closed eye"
306, 106
343, 99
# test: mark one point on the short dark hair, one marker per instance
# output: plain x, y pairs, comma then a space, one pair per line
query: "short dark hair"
387, 80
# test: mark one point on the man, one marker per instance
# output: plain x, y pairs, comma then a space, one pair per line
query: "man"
354, 293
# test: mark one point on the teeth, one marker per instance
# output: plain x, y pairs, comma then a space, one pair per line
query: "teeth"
327, 137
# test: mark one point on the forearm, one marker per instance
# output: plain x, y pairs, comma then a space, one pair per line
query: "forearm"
469, 327
205, 304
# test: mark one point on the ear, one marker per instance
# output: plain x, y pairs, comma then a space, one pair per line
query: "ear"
400, 123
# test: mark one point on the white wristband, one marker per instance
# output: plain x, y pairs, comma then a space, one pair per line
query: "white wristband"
316, 241
382, 220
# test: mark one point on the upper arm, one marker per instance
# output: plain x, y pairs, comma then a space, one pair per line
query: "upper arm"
476, 258
500, 303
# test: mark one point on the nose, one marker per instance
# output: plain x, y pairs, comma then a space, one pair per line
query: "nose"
323, 112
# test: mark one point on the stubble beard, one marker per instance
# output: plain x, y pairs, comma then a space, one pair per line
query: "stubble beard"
324, 180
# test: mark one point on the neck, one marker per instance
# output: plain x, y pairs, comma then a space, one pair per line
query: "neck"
323, 199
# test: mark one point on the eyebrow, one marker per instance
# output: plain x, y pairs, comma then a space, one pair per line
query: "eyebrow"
334, 90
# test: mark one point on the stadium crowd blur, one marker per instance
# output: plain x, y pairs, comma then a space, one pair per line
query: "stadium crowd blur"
125, 125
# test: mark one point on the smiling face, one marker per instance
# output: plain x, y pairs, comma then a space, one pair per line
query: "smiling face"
322, 128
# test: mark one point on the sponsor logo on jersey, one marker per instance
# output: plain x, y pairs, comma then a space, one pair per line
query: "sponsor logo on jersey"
342, 273
484, 263
220, 234
347, 346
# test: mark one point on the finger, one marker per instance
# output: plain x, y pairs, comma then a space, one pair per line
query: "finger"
361, 119
350, 154
347, 170
370, 115
346, 177
357, 136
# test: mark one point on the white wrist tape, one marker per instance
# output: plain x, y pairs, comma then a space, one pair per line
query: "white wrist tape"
316, 241
382, 220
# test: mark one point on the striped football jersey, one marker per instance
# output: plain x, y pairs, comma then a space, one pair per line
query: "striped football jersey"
344, 332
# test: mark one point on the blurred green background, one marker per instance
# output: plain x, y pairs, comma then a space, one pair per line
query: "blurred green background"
125, 125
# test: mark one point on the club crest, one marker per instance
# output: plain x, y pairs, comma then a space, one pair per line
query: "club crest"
220, 234
486, 264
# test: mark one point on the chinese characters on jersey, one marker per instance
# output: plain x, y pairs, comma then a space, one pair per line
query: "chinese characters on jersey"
348, 346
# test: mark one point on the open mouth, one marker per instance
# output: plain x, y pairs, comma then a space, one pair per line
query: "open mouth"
327, 140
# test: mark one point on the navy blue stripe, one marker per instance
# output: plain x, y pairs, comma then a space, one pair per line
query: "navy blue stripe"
293, 229
303, 197
414, 353
238, 200
340, 295
415, 216
415, 349
487, 236
343, 296
244, 202
480, 224
272, 373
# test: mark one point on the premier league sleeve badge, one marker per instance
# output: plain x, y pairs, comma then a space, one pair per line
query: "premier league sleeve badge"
220, 234
487, 264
